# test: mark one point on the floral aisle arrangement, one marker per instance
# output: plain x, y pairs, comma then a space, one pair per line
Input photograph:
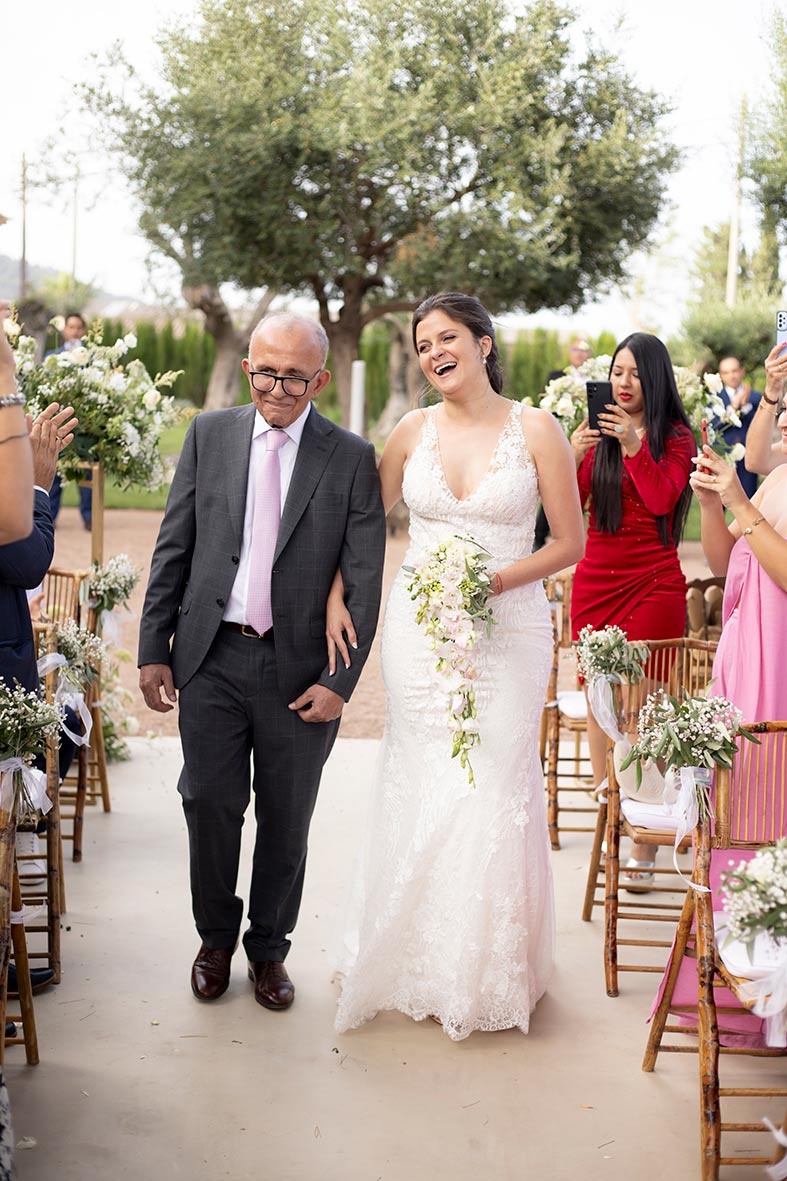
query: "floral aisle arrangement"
451, 589
566, 398
606, 657
121, 409
78, 659
755, 905
690, 736
27, 721
117, 722
109, 586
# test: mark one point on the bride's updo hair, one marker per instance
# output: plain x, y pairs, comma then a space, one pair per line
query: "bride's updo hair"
467, 310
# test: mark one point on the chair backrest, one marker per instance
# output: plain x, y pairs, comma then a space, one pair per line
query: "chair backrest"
677, 665
704, 598
751, 798
61, 593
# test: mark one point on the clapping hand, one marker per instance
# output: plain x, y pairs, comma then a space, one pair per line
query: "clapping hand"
50, 433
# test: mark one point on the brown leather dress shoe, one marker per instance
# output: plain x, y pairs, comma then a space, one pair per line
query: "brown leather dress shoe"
210, 972
272, 986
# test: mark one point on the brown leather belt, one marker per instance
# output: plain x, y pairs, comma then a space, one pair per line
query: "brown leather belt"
245, 629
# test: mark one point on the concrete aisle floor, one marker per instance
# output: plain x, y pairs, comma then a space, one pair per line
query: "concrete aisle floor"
138, 1080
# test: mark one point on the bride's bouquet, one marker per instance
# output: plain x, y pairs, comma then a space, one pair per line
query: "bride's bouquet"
451, 590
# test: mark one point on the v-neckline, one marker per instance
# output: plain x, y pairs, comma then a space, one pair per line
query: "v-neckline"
487, 470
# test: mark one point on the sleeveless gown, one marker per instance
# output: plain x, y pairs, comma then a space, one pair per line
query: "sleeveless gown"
452, 913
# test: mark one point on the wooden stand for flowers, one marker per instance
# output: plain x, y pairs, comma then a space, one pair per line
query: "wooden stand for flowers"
94, 479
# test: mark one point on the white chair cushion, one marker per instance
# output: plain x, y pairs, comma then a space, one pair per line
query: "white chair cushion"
573, 703
644, 815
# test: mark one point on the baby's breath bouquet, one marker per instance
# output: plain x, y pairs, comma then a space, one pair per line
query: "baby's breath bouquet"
606, 657
608, 652
82, 651
755, 896
690, 736
27, 721
121, 409
451, 590
110, 585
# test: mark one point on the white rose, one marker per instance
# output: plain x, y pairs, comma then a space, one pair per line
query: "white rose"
736, 453
713, 382
12, 329
78, 356
565, 407
130, 340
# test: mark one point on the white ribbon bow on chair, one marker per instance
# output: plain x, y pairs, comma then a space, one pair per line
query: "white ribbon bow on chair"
777, 1172
769, 994
33, 779
686, 810
67, 696
602, 706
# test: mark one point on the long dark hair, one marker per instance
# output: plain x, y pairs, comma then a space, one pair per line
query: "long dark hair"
664, 417
467, 310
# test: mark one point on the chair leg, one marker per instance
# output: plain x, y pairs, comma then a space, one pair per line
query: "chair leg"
595, 862
19, 941
612, 883
707, 1023
101, 758
661, 1016
79, 802
60, 873
53, 888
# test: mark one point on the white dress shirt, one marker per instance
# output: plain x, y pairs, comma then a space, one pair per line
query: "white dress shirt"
235, 611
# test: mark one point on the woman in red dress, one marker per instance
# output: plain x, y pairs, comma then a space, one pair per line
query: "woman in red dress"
635, 471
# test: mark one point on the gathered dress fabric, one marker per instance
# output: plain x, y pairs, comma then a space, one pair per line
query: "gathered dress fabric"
452, 911
630, 578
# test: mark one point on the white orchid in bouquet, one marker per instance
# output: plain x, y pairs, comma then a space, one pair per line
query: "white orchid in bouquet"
121, 409
27, 721
566, 397
451, 588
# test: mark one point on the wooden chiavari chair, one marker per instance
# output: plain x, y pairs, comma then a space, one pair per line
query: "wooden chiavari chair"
751, 812
679, 665
61, 594
565, 714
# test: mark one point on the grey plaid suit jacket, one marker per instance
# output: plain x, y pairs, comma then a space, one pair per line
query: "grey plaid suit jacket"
333, 517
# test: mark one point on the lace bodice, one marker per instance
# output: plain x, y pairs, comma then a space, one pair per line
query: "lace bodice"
499, 514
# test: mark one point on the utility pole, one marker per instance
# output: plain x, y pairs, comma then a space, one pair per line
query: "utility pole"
23, 259
734, 248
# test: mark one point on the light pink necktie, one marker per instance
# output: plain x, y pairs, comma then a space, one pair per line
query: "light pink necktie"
265, 530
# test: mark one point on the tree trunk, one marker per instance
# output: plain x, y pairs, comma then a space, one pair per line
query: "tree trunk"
231, 342
399, 401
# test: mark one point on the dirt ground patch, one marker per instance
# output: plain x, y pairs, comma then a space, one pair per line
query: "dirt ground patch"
134, 532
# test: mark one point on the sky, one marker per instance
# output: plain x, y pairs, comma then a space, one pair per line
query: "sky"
700, 54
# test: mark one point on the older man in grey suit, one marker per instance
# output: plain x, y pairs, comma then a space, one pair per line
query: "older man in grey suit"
268, 501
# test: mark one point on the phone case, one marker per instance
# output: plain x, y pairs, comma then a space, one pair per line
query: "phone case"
781, 327
599, 395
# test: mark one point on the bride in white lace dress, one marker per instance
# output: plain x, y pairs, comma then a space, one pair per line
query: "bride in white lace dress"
452, 912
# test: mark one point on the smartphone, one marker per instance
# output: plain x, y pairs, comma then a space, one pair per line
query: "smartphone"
704, 431
781, 327
599, 395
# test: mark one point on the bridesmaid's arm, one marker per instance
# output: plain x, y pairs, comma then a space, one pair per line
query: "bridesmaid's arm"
661, 484
557, 483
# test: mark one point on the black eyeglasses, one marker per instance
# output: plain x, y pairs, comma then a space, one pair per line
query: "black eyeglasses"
293, 387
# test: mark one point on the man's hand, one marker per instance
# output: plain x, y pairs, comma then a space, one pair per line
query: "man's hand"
152, 679
317, 704
50, 432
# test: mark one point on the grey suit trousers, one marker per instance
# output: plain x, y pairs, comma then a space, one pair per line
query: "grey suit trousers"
232, 713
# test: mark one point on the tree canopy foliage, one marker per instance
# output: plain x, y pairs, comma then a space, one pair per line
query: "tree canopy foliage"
369, 154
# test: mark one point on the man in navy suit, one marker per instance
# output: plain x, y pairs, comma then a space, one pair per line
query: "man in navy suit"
738, 394
74, 330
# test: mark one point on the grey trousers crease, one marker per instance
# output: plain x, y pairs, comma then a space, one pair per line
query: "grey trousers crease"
231, 713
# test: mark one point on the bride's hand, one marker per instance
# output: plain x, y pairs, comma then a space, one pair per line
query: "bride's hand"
338, 625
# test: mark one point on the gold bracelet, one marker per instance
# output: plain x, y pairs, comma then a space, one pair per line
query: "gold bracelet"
776, 413
754, 524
